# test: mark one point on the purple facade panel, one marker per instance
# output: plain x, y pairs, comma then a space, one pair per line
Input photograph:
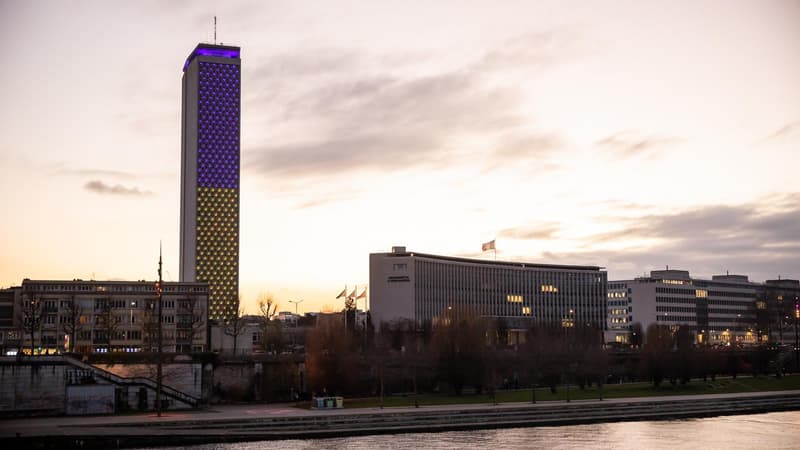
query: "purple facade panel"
218, 126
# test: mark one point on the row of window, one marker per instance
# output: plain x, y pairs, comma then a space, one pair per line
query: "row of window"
619, 302
669, 309
671, 318
146, 287
678, 300
102, 304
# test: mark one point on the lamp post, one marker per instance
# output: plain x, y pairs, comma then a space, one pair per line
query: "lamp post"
159, 289
796, 335
296, 302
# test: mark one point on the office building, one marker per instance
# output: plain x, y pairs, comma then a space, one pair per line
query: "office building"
210, 166
109, 316
10, 334
719, 311
779, 312
423, 287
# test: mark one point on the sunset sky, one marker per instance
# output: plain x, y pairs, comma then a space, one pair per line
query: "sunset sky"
629, 135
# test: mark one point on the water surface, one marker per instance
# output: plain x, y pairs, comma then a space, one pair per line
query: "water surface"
758, 431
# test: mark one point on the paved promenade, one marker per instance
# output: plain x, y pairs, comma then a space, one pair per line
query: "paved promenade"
284, 421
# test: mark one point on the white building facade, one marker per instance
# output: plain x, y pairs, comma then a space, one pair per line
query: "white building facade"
109, 316
717, 311
422, 288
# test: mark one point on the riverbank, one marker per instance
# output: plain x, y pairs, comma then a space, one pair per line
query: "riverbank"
271, 422
720, 385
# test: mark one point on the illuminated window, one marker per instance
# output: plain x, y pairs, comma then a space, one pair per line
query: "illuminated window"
549, 288
761, 305
514, 298
701, 293
567, 323
672, 281
526, 310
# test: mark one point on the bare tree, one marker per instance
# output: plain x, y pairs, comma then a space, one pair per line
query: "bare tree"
350, 314
31, 317
235, 328
268, 306
459, 346
658, 344
190, 322
106, 320
150, 326
72, 313
271, 336
332, 363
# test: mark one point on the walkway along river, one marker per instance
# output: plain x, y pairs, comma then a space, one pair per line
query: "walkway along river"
279, 423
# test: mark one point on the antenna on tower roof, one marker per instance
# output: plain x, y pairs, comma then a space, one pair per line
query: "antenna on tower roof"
215, 30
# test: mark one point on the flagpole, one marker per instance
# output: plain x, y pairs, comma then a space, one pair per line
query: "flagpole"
344, 310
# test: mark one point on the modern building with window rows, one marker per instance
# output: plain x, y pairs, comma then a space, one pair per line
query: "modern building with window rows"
423, 287
717, 311
105, 316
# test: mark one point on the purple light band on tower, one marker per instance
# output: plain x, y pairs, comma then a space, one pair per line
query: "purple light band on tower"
218, 126
215, 52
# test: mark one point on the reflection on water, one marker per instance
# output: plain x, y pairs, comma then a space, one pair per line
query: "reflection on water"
758, 431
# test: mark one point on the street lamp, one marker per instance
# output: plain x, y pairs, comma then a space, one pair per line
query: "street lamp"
296, 302
296, 314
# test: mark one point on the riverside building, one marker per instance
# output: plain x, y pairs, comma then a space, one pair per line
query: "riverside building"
717, 311
108, 316
210, 161
423, 288
779, 313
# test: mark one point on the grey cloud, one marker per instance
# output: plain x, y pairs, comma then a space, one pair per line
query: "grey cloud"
312, 62
389, 124
532, 51
99, 187
535, 145
754, 239
789, 131
336, 156
539, 231
630, 144
368, 120
525, 149
306, 201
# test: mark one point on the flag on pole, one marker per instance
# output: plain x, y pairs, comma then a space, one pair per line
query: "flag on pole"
363, 294
488, 246
353, 294
343, 293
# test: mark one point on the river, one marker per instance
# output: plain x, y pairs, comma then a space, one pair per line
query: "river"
768, 431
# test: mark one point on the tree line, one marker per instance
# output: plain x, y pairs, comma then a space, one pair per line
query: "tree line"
464, 353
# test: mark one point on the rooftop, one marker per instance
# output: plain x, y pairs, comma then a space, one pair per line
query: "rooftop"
217, 51
401, 252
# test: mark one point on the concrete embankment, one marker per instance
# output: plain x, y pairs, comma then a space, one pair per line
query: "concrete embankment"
196, 428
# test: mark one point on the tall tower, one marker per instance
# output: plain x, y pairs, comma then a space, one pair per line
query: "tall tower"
210, 175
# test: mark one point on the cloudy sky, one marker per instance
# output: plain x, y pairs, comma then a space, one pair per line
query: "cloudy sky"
630, 135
